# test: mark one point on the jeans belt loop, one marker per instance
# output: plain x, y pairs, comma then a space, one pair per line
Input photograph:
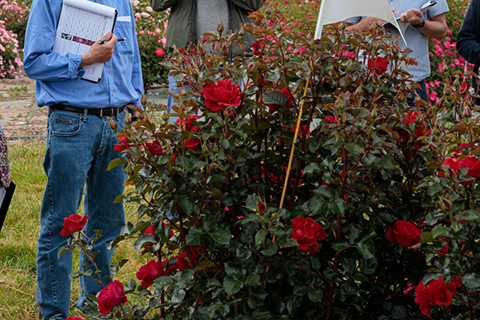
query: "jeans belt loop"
85, 114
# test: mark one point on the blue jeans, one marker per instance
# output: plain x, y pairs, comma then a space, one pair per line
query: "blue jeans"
172, 87
79, 149
422, 92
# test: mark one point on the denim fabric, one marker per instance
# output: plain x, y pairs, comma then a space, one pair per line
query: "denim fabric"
172, 87
79, 149
422, 93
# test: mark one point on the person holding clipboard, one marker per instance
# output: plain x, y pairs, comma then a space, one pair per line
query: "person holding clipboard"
424, 19
80, 143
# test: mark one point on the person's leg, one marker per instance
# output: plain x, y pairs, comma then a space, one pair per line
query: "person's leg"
172, 87
67, 161
102, 187
421, 92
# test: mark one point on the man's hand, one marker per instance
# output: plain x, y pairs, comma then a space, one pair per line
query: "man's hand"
366, 24
412, 16
99, 53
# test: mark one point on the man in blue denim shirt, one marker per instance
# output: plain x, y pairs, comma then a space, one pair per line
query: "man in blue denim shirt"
80, 144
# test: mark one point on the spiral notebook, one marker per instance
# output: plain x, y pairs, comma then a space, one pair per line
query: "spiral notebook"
81, 24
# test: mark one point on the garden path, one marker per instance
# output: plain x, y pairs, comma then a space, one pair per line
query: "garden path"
20, 117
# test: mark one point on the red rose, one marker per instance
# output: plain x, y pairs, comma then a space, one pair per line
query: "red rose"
151, 230
301, 132
191, 143
150, 272
75, 318
331, 119
258, 48
159, 52
452, 163
464, 86
261, 207
73, 224
404, 233
378, 65
272, 107
221, 95
122, 144
111, 296
436, 292
154, 148
188, 123
473, 165
412, 118
307, 233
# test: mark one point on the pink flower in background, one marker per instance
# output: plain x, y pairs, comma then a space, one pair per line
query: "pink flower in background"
159, 52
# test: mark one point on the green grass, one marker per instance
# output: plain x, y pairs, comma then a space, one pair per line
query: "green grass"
18, 239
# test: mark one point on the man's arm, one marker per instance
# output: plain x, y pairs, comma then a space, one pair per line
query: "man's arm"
364, 24
435, 27
41, 63
467, 44
249, 5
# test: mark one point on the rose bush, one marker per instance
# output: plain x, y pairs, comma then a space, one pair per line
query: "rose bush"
367, 216
10, 61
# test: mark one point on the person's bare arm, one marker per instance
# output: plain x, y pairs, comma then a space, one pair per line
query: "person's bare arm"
435, 28
365, 24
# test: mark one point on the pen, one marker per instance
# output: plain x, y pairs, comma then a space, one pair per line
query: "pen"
104, 41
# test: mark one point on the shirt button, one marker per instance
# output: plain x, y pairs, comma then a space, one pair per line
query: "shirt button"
109, 70
112, 94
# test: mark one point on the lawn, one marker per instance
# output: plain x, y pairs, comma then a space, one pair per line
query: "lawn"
18, 238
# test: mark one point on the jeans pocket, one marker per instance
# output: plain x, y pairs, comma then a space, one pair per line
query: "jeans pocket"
65, 123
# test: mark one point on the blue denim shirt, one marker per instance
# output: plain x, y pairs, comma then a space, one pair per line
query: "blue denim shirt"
58, 78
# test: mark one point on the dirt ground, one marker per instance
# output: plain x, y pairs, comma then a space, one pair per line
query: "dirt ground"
20, 117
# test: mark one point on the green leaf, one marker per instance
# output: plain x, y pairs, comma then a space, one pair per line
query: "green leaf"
193, 236
275, 97
315, 295
185, 278
233, 271
253, 280
161, 282
178, 296
354, 148
426, 237
144, 240
270, 250
386, 162
471, 280
221, 235
232, 286
260, 237
311, 167
440, 231
340, 245
367, 249
185, 203
130, 286
116, 163
339, 206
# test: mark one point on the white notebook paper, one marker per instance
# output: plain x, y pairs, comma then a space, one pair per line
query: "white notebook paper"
81, 24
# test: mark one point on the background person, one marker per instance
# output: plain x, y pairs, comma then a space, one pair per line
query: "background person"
189, 19
431, 24
80, 144
468, 40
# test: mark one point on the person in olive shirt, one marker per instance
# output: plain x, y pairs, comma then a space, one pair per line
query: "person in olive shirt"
189, 19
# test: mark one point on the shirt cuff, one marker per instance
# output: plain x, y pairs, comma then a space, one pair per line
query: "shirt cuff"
74, 61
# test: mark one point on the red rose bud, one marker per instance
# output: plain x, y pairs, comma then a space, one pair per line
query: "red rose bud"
445, 204
111, 296
307, 233
261, 207
225, 50
154, 148
260, 80
467, 113
331, 119
378, 65
149, 272
222, 94
436, 292
404, 233
73, 224
113, 125
250, 67
257, 48
75, 318
220, 26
